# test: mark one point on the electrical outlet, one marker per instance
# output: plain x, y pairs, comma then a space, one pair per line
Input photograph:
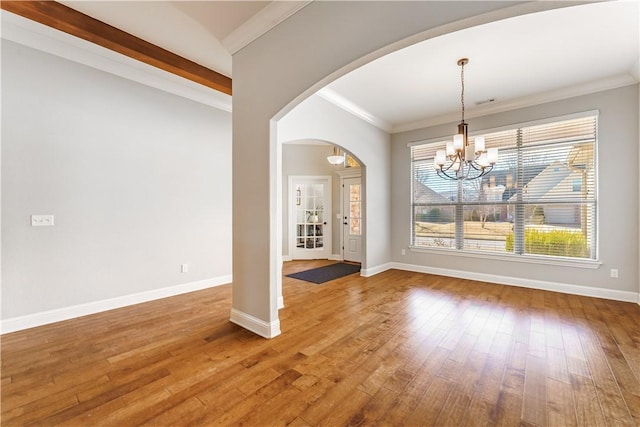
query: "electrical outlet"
41, 220
403, 252
184, 268
614, 273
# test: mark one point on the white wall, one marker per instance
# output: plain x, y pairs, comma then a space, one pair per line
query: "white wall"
617, 197
317, 118
283, 67
138, 181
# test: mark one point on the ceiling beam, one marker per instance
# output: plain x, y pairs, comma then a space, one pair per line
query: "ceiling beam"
78, 24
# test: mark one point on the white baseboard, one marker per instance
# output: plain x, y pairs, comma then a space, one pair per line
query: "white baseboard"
565, 288
65, 313
286, 258
255, 325
280, 302
368, 272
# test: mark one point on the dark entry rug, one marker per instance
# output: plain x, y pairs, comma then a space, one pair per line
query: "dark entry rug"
326, 273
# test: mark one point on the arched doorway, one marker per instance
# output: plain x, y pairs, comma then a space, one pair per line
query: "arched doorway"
269, 82
304, 162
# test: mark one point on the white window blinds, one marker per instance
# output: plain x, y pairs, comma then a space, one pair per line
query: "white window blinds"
540, 199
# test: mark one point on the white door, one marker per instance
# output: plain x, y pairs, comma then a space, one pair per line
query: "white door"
352, 219
310, 217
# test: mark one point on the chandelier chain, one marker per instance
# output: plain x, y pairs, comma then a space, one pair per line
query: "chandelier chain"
462, 86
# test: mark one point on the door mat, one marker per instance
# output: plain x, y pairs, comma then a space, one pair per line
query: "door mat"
326, 273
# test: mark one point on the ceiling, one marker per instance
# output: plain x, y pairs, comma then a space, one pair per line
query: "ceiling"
515, 62
206, 32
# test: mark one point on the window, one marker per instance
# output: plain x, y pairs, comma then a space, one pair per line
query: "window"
540, 199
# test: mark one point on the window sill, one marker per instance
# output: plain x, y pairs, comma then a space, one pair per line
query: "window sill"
531, 259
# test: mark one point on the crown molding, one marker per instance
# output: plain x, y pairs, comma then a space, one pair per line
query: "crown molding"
528, 101
351, 107
70, 21
482, 110
267, 18
37, 36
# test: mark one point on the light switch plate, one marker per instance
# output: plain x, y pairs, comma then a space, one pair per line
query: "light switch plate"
41, 220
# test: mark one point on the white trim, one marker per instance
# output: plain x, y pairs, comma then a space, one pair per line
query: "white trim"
368, 272
267, 18
255, 325
531, 259
344, 175
349, 173
275, 225
286, 258
352, 108
527, 101
46, 39
565, 288
280, 302
45, 317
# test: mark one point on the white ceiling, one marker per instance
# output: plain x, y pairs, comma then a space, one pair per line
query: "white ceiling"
562, 52
206, 32
519, 61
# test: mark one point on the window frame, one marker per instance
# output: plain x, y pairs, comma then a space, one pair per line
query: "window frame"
592, 262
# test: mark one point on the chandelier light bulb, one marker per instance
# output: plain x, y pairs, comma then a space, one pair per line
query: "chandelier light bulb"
483, 161
458, 142
450, 150
492, 155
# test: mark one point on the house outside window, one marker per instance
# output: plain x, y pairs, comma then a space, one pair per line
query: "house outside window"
539, 200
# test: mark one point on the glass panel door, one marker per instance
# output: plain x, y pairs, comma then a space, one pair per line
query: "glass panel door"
352, 224
310, 216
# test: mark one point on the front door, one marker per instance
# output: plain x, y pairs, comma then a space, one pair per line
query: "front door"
310, 217
352, 219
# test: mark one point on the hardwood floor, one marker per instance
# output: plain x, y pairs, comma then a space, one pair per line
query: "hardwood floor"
395, 349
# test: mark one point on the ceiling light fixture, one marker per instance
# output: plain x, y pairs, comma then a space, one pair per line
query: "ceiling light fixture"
462, 160
336, 158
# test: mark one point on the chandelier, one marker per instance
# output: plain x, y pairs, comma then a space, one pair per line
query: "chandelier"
461, 160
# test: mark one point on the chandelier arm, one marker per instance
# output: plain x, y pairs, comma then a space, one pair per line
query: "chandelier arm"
483, 172
448, 167
473, 165
443, 174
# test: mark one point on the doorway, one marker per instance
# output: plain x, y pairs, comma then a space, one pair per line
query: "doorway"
352, 222
310, 217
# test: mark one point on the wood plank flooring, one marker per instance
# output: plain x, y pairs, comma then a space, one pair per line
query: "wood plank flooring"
395, 349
